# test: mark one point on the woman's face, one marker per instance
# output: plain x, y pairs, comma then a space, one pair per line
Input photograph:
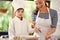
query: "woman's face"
39, 3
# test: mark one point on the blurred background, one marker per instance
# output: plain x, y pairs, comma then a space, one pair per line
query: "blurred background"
5, 15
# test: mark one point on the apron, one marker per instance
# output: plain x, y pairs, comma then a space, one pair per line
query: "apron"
44, 25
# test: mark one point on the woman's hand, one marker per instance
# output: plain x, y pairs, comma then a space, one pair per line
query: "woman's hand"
49, 32
37, 30
47, 36
33, 24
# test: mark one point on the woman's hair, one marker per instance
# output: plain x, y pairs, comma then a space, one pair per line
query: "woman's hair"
35, 12
47, 4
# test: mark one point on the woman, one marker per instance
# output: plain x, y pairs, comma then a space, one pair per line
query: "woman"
45, 19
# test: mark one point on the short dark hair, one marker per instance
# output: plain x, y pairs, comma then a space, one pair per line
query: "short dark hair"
20, 9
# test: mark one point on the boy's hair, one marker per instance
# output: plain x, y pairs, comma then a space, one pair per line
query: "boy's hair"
20, 9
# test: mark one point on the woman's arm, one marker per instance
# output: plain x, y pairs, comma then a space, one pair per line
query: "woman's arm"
54, 20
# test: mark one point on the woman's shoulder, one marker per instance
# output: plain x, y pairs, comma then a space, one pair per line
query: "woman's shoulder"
53, 12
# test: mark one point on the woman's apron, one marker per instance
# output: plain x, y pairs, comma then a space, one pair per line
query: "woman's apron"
44, 25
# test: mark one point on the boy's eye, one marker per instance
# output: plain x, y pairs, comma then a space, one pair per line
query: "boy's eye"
22, 11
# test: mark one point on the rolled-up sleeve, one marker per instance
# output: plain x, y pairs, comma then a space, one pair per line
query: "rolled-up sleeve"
54, 18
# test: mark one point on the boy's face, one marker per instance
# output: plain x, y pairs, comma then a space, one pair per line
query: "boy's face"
20, 13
